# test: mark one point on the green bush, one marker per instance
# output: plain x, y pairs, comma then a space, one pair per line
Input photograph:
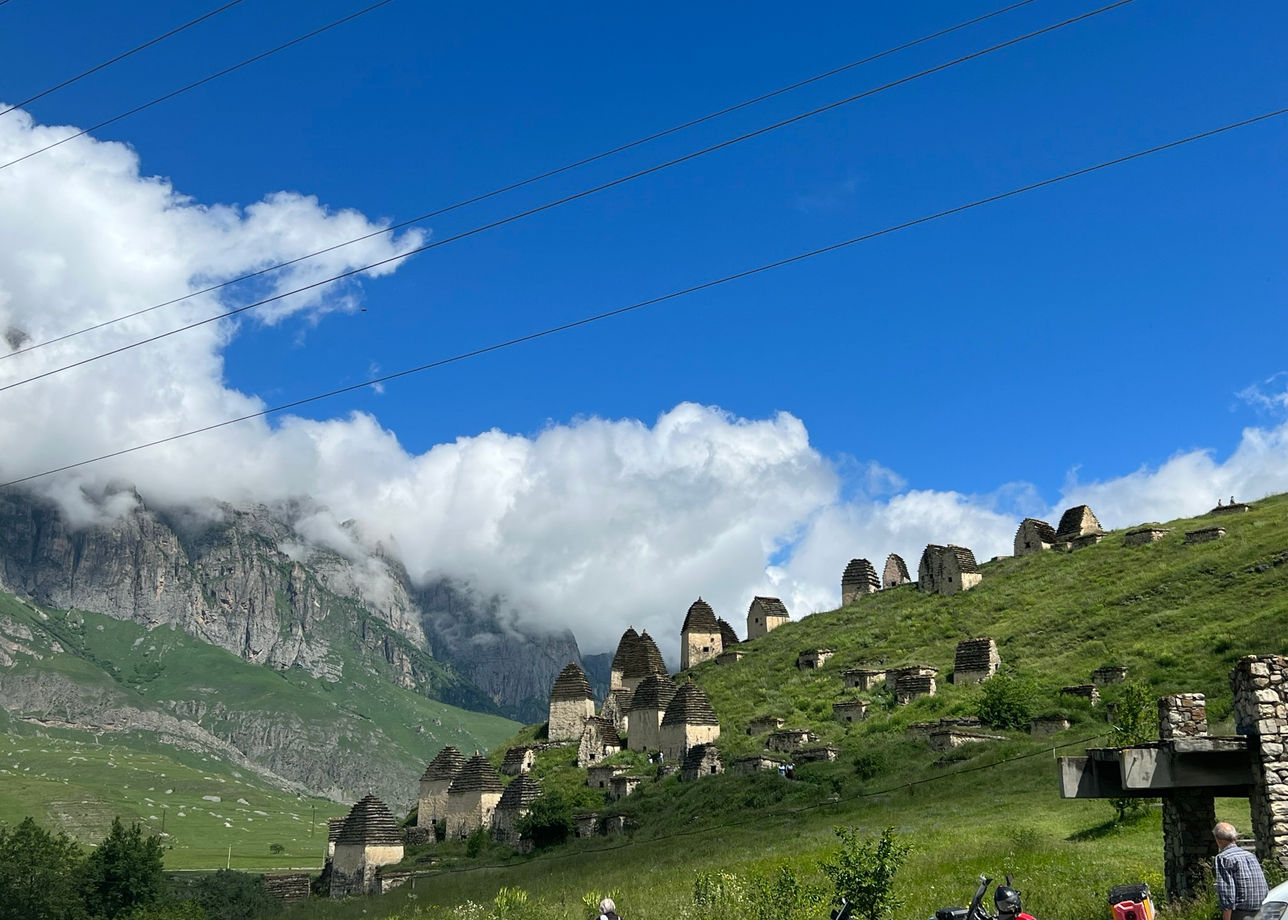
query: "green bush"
1006, 702
862, 871
549, 822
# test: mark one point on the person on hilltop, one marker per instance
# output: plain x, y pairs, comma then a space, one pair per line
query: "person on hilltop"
608, 910
1240, 883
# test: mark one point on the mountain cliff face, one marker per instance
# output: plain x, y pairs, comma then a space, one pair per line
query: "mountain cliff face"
243, 580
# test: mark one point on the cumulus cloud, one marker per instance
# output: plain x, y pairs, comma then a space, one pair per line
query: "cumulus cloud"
592, 524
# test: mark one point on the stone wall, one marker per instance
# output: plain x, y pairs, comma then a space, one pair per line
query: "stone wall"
288, 887
908, 687
850, 710
1183, 715
1260, 685
862, 678
813, 658
353, 868
469, 811
976, 660
1110, 675
859, 578
1143, 536
677, 739
697, 646
1089, 692
1205, 535
567, 718
1188, 848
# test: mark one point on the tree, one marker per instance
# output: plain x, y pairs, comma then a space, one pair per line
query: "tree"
232, 895
1006, 702
1134, 722
38, 874
549, 822
124, 872
863, 872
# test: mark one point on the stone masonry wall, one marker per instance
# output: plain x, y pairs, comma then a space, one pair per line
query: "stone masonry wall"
1183, 715
1188, 848
1260, 685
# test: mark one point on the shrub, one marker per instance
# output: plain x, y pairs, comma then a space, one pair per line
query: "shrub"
549, 822
862, 872
1006, 702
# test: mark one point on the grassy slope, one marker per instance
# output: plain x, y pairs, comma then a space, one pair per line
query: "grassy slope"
1178, 616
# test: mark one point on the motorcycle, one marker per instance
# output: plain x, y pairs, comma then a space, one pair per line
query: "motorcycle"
1005, 899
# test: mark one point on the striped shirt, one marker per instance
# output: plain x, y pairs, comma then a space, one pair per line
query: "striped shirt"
1240, 883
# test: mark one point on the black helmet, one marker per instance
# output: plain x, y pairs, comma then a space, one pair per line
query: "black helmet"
1007, 901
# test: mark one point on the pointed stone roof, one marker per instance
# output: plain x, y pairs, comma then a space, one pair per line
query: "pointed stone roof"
896, 571
645, 659
690, 706
1075, 522
606, 730
369, 823
625, 646
771, 606
446, 765
521, 793
700, 618
727, 635
654, 692
478, 775
861, 572
571, 684
1045, 532
965, 558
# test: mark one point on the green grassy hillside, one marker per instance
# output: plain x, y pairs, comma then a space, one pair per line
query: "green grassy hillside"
1176, 616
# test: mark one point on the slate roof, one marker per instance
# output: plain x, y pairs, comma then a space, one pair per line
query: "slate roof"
654, 692
695, 755
369, 822
628, 641
860, 572
571, 684
771, 606
1045, 532
521, 793
700, 618
514, 757
644, 658
606, 729
965, 558
900, 568
690, 706
727, 635
1072, 520
478, 775
446, 765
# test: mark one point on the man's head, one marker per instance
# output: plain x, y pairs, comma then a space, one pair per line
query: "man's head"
607, 906
1225, 834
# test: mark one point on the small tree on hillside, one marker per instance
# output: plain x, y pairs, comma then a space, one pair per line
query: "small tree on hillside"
863, 871
38, 874
124, 872
549, 822
1134, 722
1006, 701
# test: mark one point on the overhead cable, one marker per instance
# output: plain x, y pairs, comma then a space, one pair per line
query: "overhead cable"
119, 57
202, 82
622, 180
585, 161
620, 311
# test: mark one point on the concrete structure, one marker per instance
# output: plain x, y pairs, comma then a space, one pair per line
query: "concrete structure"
1113, 674
599, 740
642, 660
863, 678
625, 651
859, 578
601, 775
518, 760
368, 840
1088, 692
699, 636
572, 702
472, 797
701, 760
1045, 726
813, 658
1204, 535
761, 724
789, 739
1078, 521
1145, 534
1033, 536
689, 720
765, 614
648, 706
896, 572
947, 569
617, 705
976, 660
850, 710
515, 802
431, 804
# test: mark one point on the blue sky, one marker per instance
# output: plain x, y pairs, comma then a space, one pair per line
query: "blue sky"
1098, 327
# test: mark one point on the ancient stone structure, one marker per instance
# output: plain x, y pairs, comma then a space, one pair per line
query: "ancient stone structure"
333, 827
625, 649
730, 656
813, 658
976, 660
368, 840
859, 578
945, 739
689, 720
617, 704
863, 678
1204, 535
1183, 715
896, 572
1045, 726
728, 637
756, 763
788, 739
765, 614
515, 802
699, 636
648, 706
1260, 686
948, 723
701, 760
642, 660
1033, 536
1145, 534
1232, 508
1112, 674
1087, 692
816, 754
431, 804
419, 836
850, 710
761, 724
622, 785
910, 686
1078, 521
288, 887
599, 740
947, 569
518, 760
1087, 539
601, 776
572, 702
586, 824
472, 797
910, 670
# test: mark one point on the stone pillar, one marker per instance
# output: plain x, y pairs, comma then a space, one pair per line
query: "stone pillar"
1182, 716
1188, 818
1260, 685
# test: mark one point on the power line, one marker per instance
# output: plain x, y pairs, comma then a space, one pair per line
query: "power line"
530, 180
622, 180
119, 57
620, 311
202, 82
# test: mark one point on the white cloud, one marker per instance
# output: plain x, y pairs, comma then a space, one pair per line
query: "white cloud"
1275, 401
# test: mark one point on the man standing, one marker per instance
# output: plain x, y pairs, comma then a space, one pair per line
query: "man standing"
1240, 883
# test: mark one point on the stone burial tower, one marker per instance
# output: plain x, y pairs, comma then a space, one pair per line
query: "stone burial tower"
432, 802
859, 578
765, 614
699, 636
472, 797
367, 840
572, 702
